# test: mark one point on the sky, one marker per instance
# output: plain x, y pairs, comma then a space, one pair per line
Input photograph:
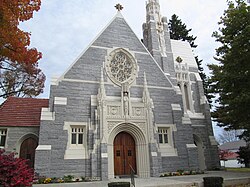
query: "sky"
62, 29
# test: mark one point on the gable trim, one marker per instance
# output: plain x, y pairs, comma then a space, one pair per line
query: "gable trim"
110, 83
118, 14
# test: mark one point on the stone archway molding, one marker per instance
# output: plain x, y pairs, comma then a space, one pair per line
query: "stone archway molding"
142, 150
20, 141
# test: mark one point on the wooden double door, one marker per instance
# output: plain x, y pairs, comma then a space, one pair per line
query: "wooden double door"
124, 154
28, 149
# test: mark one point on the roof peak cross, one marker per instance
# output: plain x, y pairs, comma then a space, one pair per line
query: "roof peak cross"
119, 7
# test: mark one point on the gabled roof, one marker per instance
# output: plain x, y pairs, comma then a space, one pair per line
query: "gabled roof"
235, 145
18, 112
228, 155
183, 50
117, 34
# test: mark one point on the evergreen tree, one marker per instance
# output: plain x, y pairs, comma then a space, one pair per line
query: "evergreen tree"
231, 77
179, 31
244, 156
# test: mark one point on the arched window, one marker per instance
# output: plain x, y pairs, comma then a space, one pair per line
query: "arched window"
187, 97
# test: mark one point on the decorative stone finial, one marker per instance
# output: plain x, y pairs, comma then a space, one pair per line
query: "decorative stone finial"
119, 7
179, 59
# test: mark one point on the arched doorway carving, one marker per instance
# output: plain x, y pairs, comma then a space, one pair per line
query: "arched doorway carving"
28, 149
141, 149
124, 154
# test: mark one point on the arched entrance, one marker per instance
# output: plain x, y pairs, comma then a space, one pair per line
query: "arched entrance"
124, 154
27, 150
198, 142
142, 164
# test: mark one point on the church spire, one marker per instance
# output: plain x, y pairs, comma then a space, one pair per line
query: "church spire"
156, 37
153, 11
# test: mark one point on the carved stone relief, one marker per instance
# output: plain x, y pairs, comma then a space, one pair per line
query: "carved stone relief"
138, 111
121, 67
142, 126
114, 110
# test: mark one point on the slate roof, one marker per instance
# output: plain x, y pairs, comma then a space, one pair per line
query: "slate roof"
184, 50
19, 112
235, 145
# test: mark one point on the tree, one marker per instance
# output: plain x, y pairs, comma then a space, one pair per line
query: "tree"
229, 136
244, 155
179, 31
230, 78
19, 72
14, 171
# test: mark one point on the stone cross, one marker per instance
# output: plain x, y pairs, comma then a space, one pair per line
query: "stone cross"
119, 7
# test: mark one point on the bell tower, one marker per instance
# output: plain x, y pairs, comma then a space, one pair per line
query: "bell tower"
156, 37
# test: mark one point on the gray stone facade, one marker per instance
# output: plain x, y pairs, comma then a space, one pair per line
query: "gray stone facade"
86, 98
16, 135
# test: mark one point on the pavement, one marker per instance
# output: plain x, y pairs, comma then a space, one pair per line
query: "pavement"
230, 178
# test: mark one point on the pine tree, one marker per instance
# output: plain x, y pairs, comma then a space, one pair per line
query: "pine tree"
179, 31
244, 156
231, 77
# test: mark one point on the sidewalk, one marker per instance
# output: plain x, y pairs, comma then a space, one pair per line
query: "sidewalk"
230, 178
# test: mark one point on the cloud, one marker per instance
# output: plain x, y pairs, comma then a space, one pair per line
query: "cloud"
63, 29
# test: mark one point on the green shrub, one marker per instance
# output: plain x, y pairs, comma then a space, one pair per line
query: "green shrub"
119, 184
213, 181
68, 178
181, 171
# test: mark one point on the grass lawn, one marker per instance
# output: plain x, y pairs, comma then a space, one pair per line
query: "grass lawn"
238, 169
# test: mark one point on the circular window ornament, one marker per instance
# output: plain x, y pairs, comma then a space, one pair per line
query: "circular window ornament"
121, 67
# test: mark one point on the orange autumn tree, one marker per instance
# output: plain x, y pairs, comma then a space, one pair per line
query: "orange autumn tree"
19, 72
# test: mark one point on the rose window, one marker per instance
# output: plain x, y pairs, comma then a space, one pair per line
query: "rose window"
121, 67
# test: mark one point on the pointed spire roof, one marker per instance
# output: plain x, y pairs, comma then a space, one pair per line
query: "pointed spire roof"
153, 10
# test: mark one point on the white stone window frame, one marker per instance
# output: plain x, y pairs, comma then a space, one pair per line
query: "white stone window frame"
77, 131
164, 131
76, 151
3, 133
183, 80
186, 95
167, 149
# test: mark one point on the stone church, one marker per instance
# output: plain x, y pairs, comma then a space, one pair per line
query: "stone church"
125, 104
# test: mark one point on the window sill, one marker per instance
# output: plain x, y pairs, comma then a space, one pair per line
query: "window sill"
75, 153
168, 150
